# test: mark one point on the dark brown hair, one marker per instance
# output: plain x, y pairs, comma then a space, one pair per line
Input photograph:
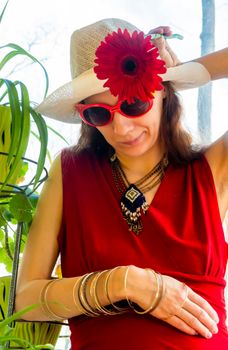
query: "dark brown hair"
177, 141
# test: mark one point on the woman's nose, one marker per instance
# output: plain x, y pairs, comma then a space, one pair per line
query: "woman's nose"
121, 124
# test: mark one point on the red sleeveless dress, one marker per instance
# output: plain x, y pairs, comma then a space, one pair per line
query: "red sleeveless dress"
182, 237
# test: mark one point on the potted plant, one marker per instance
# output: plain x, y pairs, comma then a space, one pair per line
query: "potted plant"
18, 198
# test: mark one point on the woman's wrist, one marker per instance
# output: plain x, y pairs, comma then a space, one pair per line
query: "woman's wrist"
140, 286
124, 282
116, 283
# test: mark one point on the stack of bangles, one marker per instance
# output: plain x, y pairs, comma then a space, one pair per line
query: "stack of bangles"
86, 298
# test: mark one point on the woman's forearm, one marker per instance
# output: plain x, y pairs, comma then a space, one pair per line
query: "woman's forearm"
62, 296
131, 283
216, 63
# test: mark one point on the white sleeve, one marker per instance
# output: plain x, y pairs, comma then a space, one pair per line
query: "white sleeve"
187, 75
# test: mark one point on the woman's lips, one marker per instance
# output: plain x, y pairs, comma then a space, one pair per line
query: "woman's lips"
134, 141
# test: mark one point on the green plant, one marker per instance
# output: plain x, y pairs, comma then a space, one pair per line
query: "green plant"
17, 113
18, 198
7, 333
34, 333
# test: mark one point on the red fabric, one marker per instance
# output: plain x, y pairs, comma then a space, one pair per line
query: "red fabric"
182, 237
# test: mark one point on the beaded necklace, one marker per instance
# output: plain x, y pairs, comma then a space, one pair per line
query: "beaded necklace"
133, 202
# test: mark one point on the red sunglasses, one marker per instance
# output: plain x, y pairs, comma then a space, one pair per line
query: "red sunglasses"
99, 114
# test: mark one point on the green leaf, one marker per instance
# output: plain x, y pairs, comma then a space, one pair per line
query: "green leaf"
18, 50
42, 127
2, 219
11, 244
21, 208
17, 315
13, 220
22, 246
13, 156
2, 236
4, 259
34, 197
7, 58
24, 125
25, 230
23, 170
1, 255
5, 142
6, 333
16, 116
3, 11
7, 215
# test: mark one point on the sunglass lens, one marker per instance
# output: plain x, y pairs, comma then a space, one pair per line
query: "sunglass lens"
97, 116
136, 108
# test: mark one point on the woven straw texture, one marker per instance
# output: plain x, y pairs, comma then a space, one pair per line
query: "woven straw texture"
85, 41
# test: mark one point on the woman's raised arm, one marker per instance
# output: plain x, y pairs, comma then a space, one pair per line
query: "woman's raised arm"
216, 63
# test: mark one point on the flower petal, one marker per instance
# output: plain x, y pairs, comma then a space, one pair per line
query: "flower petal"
130, 64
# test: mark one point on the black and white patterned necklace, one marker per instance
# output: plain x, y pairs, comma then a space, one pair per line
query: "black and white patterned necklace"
133, 202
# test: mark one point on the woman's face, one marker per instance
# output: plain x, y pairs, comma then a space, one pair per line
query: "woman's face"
132, 137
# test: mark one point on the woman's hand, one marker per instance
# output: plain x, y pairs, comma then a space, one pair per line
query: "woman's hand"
184, 309
180, 306
165, 51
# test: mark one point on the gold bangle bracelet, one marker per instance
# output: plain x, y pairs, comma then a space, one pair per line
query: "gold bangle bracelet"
120, 309
45, 304
88, 310
158, 295
125, 286
94, 294
78, 304
160, 288
155, 300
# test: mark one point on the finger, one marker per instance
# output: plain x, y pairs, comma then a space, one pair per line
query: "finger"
201, 315
166, 30
166, 52
180, 324
160, 43
172, 54
194, 323
197, 299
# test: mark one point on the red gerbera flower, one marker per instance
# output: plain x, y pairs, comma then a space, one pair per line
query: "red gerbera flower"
130, 64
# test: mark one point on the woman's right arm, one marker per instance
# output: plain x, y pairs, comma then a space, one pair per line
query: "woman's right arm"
40, 256
42, 250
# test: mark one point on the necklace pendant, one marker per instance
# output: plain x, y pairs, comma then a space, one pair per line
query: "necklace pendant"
132, 202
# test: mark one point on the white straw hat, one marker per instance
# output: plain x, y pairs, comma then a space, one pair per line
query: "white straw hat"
84, 42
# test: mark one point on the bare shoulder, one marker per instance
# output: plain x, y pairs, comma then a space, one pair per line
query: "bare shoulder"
42, 249
55, 171
217, 157
52, 189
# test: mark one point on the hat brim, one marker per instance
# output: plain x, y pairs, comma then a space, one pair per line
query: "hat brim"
60, 104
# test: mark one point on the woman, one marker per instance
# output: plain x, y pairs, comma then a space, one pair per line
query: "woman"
134, 211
